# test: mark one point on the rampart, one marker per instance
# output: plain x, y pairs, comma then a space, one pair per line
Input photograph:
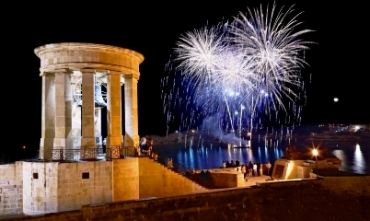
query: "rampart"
331, 198
37, 188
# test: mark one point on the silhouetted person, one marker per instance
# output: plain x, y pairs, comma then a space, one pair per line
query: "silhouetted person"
268, 165
250, 168
232, 163
254, 169
244, 170
227, 164
149, 145
250, 164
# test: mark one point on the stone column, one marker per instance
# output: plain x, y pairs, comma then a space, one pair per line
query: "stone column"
132, 138
88, 113
114, 121
63, 111
47, 116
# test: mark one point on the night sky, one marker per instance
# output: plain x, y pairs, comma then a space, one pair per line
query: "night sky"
337, 61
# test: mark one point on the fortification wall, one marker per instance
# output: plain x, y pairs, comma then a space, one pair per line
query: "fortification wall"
55, 187
40, 192
83, 183
125, 185
11, 188
227, 179
158, 181
291, 200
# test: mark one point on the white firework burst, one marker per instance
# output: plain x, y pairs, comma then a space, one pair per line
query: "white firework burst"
252, 63
271, 42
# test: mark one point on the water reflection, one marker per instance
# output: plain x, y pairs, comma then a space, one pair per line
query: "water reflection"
266, 155
359, 165
259, 153
354, 156
250, 155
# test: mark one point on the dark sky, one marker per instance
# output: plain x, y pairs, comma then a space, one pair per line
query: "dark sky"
337, 62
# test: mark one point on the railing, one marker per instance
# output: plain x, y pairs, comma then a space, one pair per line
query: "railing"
71, 154
116, 152
93, 153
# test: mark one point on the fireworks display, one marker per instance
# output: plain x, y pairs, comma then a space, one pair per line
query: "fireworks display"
239, 75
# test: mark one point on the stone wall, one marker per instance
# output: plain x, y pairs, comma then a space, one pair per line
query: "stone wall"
55, 187
222, 179
83, 183
321, 199
355, 185
125, 179
40, 192
291, 169
304, 171
158, 181
11, 189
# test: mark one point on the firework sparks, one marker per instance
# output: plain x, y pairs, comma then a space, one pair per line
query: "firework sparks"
244, 69
271, 42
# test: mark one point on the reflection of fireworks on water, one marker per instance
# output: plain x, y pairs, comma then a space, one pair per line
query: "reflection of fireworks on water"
242, 74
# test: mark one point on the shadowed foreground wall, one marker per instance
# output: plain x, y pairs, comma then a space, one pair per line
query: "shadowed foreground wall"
342, 198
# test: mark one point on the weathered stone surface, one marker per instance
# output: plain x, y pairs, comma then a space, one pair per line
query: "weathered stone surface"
11, 189
158, 181
299, 200
62, 65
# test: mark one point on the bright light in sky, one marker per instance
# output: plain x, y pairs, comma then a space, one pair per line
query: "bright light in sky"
336, 99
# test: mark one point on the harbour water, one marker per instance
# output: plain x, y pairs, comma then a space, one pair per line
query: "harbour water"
354, 154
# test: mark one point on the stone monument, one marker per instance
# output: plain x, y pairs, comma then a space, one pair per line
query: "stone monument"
73, 75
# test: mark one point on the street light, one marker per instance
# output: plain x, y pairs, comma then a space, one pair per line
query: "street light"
315, 152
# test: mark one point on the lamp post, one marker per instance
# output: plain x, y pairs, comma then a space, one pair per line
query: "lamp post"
315, 152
